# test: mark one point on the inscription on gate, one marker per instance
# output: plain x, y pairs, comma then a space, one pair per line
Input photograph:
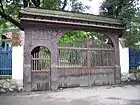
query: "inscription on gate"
46, 34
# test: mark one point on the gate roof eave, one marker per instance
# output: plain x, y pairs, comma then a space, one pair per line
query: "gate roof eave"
69, 18
69, 15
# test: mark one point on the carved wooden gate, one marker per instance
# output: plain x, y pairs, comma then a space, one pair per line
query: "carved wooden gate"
86, 61
78, 65
41, 69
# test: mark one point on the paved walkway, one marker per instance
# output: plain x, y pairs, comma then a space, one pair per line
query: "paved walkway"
126, 95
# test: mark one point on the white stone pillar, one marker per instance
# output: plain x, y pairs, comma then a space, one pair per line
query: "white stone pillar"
17, 61
124, 59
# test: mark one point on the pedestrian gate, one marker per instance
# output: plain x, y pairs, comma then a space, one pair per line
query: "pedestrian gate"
41, 67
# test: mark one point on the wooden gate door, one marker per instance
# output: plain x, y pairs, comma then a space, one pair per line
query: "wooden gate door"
41, 69
86, 61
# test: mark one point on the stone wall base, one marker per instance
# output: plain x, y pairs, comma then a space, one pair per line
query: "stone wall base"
130, 77
10, 85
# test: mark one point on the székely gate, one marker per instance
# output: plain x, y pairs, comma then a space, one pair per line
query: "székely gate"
51, 61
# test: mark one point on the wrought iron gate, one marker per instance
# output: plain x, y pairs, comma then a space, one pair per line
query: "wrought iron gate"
41, 69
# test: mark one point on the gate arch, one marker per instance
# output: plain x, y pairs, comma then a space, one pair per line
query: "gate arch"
41, 68
87, 59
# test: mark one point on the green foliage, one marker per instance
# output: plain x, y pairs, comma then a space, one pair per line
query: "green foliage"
128, 12
79, 38
71, 38
134, 71
51, 4
9, 10
119, 9
133, 32
77, 6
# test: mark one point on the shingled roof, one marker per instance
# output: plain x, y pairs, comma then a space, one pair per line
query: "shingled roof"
69, 15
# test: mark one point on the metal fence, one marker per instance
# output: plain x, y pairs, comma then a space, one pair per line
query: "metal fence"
134, 59
86, 62
85, 52
5, 61
41, 68
41, 60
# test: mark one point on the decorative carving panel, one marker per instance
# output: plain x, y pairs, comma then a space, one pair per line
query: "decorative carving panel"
47, 34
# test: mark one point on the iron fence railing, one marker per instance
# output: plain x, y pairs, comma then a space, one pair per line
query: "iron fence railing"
5, 61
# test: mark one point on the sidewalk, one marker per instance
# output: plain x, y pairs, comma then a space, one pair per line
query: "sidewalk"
106, 95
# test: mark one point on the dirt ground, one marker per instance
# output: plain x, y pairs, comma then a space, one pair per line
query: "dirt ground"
105, 95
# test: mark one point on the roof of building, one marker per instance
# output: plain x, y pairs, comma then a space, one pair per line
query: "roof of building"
69, 15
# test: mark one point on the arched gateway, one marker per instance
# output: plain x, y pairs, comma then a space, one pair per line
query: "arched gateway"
83, 62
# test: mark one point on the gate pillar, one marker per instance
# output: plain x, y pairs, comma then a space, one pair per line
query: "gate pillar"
27, 62
57, 33
54, 71
117, 72
114, 36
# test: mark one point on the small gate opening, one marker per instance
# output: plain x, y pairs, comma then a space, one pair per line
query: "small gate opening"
41, 68
41, 59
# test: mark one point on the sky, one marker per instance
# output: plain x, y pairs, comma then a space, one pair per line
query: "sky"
94, 6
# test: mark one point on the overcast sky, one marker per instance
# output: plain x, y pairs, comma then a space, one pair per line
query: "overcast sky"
94, 4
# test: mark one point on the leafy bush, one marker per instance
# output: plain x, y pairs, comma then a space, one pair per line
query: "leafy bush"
134, 71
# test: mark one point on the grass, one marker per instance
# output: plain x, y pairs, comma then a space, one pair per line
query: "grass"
5, 76
134, 71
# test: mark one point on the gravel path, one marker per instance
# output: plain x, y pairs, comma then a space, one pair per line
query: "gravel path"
106, 95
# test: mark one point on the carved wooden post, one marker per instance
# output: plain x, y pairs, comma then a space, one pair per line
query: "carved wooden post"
57, 33
117, 60
54, 71
114, 36
27, 62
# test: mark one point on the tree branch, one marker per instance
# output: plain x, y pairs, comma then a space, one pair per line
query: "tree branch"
64, 4
25, 2
36, 3
1, 6
10, 19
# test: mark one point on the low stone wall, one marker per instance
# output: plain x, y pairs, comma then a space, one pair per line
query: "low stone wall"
130, 77
10, 85
76, 77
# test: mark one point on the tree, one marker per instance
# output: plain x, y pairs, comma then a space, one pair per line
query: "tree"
133, 33
9, 9
126, 11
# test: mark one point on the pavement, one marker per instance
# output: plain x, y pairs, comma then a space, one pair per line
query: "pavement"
105, 95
